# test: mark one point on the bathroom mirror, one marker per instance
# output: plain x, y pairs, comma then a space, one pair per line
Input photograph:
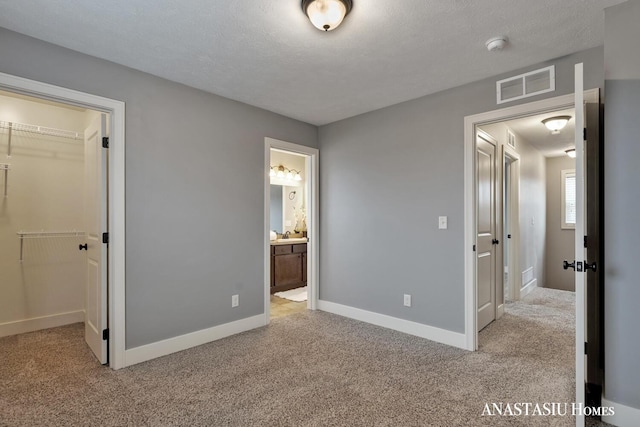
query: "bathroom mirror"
277, 218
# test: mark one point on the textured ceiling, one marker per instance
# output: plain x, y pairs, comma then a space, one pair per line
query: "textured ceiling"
266, 53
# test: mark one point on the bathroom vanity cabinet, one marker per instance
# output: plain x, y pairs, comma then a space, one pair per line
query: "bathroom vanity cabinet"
288, 266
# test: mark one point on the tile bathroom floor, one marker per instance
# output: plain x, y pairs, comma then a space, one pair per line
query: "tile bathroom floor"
281, 307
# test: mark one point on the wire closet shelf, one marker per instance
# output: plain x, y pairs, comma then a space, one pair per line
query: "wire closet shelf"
25, 235
41, 130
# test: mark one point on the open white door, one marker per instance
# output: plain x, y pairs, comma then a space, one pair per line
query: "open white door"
579, 244
95, 202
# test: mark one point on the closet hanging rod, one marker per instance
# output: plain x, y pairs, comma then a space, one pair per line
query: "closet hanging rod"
42, 130
45, 234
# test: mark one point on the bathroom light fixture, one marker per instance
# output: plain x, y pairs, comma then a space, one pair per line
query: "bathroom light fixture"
571, 152
284, 173
555, 124
326, 15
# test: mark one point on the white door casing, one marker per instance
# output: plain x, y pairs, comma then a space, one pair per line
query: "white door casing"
580, 250
511, 245
95, 205
470, 133
313, 212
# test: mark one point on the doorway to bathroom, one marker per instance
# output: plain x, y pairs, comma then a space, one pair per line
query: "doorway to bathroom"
290, 228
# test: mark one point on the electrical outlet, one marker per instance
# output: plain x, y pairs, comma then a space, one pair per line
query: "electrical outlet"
407, 300
235, 300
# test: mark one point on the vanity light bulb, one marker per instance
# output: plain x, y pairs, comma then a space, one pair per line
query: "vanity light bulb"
298, 177
272, 173
289, 175
280, 174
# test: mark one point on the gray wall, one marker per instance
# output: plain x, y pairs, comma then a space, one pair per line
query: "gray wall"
194, 235
532, 202
560, 243
622, 204
386, 176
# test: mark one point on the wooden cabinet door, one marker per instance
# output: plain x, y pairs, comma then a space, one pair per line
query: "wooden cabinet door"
287, 269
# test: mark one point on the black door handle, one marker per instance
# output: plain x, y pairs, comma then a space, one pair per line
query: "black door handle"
495, 241
567, 266
82, 247
588, 266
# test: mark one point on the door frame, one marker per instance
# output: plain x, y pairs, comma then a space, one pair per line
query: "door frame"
511, 156
311, 202
116, 195
470, 129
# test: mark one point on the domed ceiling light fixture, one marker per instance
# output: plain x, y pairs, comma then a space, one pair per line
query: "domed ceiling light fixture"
556, 124
326, 15
571, 152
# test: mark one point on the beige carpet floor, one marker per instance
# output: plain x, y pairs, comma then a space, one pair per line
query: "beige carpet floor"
307, 369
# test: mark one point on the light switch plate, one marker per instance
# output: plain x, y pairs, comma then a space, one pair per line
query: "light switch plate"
442, 223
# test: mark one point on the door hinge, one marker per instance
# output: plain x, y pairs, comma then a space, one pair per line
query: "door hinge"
584, 134
105, 142
474, 248
105, 237
585, 241
105, 334
586, 347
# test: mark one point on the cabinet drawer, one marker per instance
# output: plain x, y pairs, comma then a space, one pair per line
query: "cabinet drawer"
298, 249
282, 249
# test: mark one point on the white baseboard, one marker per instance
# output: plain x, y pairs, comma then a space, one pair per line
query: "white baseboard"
443, 336
38, 323
526, 289
625, 416
193, 339
500, 311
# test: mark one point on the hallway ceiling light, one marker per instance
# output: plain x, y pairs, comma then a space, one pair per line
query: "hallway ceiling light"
326, 15
556, 124
571, 152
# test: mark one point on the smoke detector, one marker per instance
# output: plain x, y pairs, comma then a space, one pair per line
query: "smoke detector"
495, 44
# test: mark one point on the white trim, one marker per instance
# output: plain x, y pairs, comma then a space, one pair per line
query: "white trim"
580, 291
192, 339
312, 204
515, 280
526, 289
42, 322
500, 311
470, 123
624, 416
443, 336
116, 195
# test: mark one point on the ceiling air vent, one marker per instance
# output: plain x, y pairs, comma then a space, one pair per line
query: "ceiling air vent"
527, 84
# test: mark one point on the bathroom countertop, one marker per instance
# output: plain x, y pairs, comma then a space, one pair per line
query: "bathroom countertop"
290, 241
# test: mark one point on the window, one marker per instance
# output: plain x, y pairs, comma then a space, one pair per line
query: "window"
569, 199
